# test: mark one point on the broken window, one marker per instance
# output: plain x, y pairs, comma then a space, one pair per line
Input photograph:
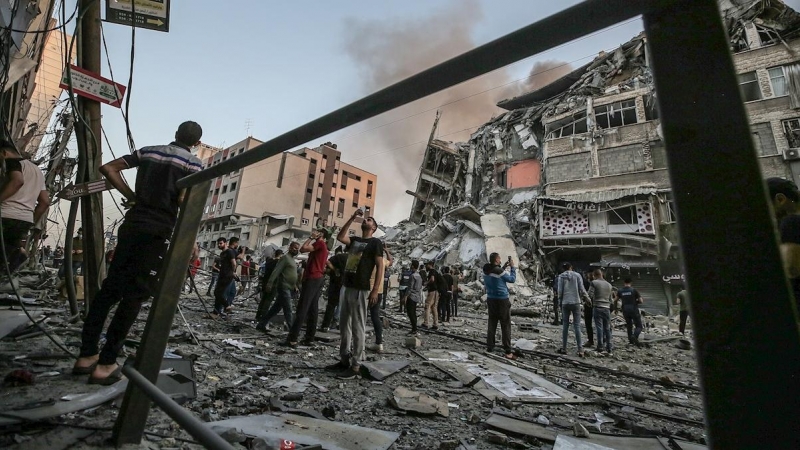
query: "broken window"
767, 35
791, 129
568, 126
616, 114
233, 187
751, 90
623, 216
224, 189
650, 107
763, 139
777, 79
216, 191
303, 221
229, 204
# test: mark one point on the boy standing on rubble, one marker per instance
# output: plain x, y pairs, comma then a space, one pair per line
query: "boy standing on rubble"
414, 296
143, 240
362, 281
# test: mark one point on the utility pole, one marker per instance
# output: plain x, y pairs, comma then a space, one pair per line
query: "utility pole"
90, 153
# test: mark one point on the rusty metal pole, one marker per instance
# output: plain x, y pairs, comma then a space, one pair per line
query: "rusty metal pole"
132, 418
89, 131
745, 322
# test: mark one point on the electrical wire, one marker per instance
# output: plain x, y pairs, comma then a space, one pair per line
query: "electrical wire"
124, 113
63, 25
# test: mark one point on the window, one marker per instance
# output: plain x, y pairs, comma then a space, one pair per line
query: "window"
616, 114
344, 173
321, 170
216, 191
219, 207
340, 208
332, 198
777, 78
623, 216
308, 191
764, 139
767, 35
339, 215
319, 185
366, 211
229, 204
324, 156
355, 197
313, 161
303, 221
338, 158
205, 210
791, 129
335, 171
307, 206
568, 126
233, 187
213, 208
224, 189
358, 178
751, 91
333, 185
369, 189
344, 184
311, 175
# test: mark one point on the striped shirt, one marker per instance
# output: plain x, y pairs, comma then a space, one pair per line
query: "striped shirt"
159, 169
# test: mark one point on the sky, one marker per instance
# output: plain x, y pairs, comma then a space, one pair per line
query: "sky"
266, 67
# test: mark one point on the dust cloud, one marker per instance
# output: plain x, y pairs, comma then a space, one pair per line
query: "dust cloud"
388, 51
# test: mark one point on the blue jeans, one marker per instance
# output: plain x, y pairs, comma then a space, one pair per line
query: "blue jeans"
214, 276
575, 310
632, 317
230, 293
602, 323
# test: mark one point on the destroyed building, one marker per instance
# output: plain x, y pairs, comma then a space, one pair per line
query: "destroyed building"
578, 167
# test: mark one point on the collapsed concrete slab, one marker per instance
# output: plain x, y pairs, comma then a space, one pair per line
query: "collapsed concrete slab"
498, 240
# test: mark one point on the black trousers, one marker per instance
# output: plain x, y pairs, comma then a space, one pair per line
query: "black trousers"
682, 325
588, 319
220, 291
411, 311
14, 231
307, 309
454, 304
267, 297
499, 311
131, 279
444, 306
556, 308
330, 309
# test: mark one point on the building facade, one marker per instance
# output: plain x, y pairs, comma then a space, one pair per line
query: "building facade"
284, 197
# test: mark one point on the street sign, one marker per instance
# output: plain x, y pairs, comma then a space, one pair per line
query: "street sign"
150, 14
93, 86
74, 191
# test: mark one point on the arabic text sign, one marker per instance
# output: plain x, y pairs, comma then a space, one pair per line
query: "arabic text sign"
93, 86
150, 14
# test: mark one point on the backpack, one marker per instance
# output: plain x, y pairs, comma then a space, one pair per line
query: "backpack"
405, 278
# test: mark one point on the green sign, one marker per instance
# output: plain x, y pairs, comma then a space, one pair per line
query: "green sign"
150, 14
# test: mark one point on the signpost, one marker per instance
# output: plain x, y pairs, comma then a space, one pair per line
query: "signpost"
93, 86
150, 14
72, 192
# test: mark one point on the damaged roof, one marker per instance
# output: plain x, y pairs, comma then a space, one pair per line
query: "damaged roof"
603, 196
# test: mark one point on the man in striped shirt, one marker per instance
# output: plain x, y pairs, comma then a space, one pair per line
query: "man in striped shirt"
142, 242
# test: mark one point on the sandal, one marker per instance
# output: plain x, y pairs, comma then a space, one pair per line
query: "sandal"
84, 370
112, 378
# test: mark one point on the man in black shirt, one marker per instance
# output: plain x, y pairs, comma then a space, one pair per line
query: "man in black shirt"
363, 277
445, 294
786, 204
227, 267
631, 299
432, 299
142, 242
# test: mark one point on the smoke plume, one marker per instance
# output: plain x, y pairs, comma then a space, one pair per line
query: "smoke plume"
388, 51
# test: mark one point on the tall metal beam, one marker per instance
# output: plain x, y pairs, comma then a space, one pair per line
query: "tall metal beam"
130, 424
572, 23
745, 322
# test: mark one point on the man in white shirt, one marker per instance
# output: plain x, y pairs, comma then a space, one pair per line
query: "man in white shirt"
23, 201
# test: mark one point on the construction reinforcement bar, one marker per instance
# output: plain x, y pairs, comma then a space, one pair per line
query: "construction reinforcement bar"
184, 418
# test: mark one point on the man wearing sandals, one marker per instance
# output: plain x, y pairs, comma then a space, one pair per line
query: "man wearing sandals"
496, 279
143, 240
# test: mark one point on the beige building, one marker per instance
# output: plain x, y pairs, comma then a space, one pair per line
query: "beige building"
281, 198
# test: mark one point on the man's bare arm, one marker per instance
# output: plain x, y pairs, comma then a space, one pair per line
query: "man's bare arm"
790, 254
112, 173
42, 203
378, 281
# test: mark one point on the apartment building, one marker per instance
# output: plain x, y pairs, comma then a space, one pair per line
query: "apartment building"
283, 197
